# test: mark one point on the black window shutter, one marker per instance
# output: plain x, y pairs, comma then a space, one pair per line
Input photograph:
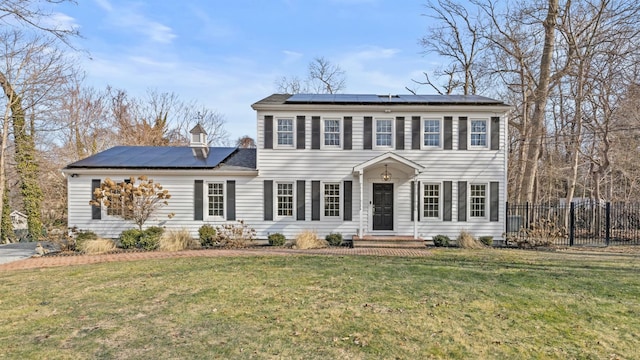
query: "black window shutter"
268, 132
198, 200
96, 210
368, 133
300, 200
415, 133
462, 133
300, 132
495, 133
420, 193
494, 202
448, 133
399, 133
413, 200
231, 199
348, 200
462, 201
268, 199
447, 200
315, 132
315, 200
348, 133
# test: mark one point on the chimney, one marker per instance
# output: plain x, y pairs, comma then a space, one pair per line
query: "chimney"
198, 143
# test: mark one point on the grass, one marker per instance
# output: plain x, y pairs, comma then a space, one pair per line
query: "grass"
456, 304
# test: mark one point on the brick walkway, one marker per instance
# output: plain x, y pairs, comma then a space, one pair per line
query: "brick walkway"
53, 261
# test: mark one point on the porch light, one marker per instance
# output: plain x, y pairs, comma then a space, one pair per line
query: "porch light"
386, 175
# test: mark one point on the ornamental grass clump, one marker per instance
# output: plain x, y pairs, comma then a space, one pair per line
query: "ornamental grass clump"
467, 241
97, 246
176, 240
308, 239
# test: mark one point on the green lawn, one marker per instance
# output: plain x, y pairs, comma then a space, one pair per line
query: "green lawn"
492, 304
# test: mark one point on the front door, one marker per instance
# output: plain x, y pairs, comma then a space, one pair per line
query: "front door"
382, 206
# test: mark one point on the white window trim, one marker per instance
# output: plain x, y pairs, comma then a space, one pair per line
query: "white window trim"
486, 134
375, 133
340, 200
277, 216
224, 202
340, 135
276, 132
486, 203
440, 204
440, 141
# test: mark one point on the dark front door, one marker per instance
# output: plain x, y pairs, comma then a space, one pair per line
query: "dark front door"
382, 206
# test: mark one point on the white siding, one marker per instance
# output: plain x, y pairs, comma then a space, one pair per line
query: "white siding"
473, 166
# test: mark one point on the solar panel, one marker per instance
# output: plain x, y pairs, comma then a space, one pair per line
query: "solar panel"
153, 157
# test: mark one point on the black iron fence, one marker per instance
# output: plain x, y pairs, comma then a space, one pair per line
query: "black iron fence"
584, 223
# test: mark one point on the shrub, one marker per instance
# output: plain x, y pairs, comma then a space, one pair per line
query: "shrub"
150, 239
441, 240
236, 235
129, 239
308, 239
176, 240
97, 246
277, 239
207, 235
486, 240
467, 241
334, 239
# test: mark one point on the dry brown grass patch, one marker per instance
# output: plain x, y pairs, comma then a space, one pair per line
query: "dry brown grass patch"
97, 246
467, 241
308, 239
176, 240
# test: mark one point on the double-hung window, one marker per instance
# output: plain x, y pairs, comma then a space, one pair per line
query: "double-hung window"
478, 200
384, 132
331, 133
431, 133
285, 132
478, 133
431, 201
332, 199
215, 199
285, 199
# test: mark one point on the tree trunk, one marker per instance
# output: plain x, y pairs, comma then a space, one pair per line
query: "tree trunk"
534, 145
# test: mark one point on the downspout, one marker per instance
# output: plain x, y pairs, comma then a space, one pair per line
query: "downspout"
360, 179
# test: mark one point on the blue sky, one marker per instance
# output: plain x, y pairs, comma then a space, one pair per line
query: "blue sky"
227, 54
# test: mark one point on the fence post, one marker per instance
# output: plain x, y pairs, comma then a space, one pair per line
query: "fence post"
506, 217
607, 236
572, 222
526, 215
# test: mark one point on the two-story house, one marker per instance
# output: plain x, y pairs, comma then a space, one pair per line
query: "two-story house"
361, 165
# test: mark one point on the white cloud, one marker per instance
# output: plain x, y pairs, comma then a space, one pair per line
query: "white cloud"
61, 21
291, 56
105, 5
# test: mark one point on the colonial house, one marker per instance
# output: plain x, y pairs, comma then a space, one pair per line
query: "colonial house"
361, 165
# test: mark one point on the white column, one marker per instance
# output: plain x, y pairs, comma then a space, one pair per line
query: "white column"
361, 180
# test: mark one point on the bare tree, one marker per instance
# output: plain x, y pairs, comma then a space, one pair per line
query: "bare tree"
246, 142
457, 38
323, 77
